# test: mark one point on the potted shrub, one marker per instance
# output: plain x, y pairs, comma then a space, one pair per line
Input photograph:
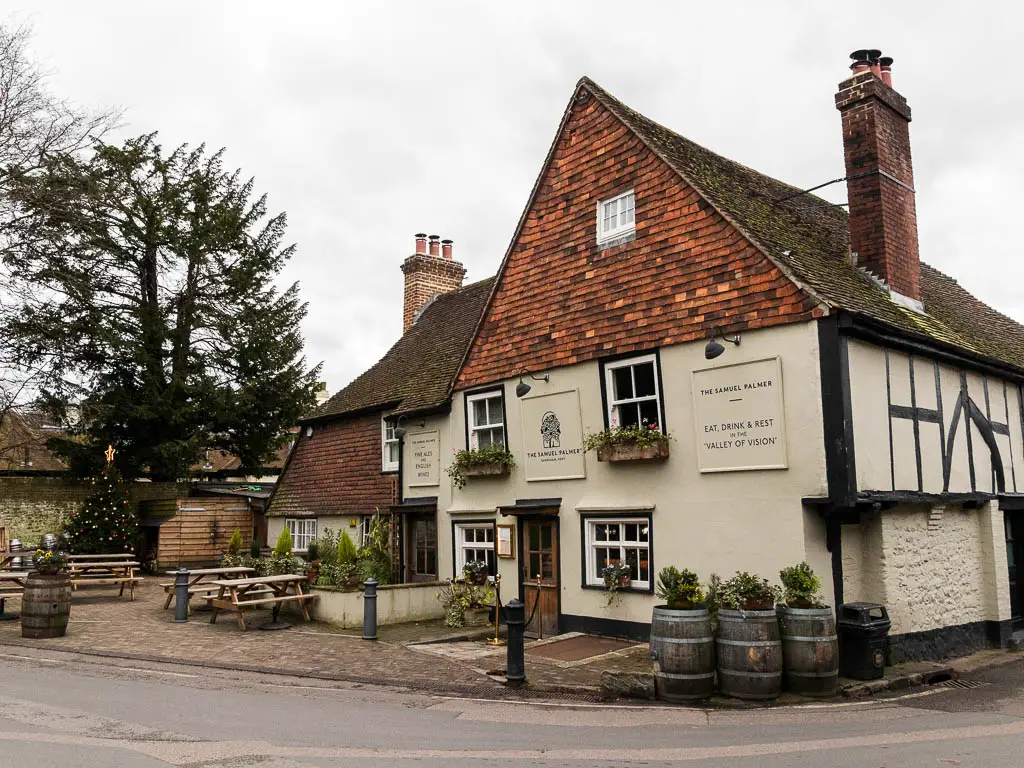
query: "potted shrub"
475, 572
643, 442
255, 550
747, 592
616, 577
492, 461
681, 590
810, 649
312, 561
348, 562
465, 605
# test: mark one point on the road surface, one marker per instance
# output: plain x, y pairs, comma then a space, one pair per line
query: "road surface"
65, 710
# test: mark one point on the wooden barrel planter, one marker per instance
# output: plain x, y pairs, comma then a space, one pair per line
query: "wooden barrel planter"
749, 654
45, 605
810, 651
683, 649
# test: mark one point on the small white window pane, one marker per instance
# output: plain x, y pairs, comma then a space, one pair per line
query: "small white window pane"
479, 412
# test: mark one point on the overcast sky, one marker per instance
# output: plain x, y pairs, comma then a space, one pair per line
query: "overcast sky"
368, 122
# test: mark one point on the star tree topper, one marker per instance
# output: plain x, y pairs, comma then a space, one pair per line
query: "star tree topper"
109, 453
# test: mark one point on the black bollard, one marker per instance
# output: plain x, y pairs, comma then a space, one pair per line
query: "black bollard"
370, 609
181, 596
515, 651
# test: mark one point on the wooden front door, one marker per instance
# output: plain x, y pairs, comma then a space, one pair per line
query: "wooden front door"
1015, 561
421, 549
540, 558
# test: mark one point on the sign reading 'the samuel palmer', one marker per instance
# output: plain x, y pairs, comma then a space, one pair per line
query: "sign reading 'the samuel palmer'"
424, 458
739, 416
553, 436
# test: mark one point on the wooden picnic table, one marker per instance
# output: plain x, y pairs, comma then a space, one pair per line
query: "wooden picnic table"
238, 594
196, 585
109, 571
115, 556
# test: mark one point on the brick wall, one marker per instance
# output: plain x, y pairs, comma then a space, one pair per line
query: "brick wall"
337, 471
563, 300
31, 507
425, 277
883, 217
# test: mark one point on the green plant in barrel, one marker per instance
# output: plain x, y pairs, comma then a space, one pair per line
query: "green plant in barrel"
748, 592
680, 589
800, 587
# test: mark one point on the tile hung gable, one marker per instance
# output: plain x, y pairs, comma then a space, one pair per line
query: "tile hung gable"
560, 299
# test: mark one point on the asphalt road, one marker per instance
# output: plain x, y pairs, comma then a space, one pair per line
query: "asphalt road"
65, 710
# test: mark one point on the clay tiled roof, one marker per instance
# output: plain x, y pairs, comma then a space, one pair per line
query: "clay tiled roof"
417, 372
808, 239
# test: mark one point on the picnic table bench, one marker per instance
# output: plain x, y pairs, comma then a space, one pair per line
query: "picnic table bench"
206, 589
104, 569
239, 594
12, 584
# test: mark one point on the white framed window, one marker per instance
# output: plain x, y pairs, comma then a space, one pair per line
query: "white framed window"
616, 217
390, 444
633, 392
474, 541
303, 531
486, 416
611, 541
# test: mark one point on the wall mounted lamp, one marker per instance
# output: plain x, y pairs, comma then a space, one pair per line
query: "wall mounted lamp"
522, 388
713, 349
400, 431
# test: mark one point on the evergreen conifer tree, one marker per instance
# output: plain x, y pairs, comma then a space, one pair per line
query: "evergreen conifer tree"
106, 523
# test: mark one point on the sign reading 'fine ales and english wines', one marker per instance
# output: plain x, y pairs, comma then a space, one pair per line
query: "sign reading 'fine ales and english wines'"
553, 436
424, 456
739, 416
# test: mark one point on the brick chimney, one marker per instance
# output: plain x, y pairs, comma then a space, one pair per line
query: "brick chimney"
880, 175
427, 274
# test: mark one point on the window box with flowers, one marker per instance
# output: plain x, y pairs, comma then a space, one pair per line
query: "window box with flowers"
637, 443
492, 461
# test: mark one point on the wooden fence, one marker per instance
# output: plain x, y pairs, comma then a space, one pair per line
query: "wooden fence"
195, 532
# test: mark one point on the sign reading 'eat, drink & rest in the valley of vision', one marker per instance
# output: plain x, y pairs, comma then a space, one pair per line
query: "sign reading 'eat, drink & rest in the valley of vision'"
739, 418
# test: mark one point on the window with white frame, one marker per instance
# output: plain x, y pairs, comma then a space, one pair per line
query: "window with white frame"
486, 414
617, 541
303, 531
391, 446
616, 217
474, 541
633, 393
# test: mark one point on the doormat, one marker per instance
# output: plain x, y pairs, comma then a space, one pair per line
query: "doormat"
578, 648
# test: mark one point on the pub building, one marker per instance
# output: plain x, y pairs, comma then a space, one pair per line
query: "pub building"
829, 397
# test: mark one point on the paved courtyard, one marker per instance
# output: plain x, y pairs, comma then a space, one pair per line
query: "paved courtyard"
102, 623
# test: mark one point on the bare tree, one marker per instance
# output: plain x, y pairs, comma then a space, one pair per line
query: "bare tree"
36, 126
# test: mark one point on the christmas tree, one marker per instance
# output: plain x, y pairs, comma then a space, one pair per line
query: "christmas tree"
106, 524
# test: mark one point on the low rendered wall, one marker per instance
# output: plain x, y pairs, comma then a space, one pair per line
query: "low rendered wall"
396, 603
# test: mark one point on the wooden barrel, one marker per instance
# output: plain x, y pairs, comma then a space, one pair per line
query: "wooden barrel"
749, 654
46, 605
810, 651
683, 649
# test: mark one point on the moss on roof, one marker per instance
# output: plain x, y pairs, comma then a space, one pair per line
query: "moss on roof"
417, 372
809, 239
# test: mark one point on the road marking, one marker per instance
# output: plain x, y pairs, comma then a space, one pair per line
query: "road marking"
31, 658
153, 671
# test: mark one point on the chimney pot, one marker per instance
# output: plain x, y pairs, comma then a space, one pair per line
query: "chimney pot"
861, 61
421, 243
885, 64
434, 245
446, 249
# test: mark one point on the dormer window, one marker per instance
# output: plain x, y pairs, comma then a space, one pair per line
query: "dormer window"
616, 218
